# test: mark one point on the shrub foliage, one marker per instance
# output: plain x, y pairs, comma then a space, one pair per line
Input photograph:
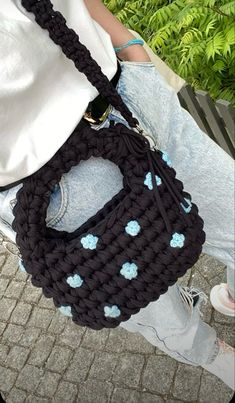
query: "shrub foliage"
196, 38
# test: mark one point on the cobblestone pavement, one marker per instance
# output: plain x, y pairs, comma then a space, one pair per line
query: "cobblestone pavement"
44, 357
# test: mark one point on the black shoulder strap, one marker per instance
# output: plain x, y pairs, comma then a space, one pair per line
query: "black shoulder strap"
54, 22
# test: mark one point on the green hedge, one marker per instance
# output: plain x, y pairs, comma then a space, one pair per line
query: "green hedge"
195, 38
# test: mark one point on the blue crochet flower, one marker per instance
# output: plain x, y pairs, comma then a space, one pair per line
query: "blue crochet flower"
89, 241
148, 181
129, 270
187, 209
132, 228
166, 158
177, 240
112, 311
21, 266
66, 310
74, 281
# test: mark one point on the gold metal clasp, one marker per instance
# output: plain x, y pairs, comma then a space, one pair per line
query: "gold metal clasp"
87, 116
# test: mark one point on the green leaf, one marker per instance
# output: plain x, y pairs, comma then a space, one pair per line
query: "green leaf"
230, 36
228, 8
219, 66
210, 26
196, 38
215, 45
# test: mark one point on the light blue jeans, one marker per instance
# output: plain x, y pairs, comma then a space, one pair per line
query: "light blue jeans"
207, 173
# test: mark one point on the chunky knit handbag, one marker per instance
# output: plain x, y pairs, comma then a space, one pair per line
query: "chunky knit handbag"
132, 249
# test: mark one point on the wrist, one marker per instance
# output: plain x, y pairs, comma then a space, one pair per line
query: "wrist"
134, 53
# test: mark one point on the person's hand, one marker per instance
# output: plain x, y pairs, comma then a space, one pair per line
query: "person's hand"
134, 53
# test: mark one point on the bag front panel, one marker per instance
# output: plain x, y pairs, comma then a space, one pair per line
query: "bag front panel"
120, 259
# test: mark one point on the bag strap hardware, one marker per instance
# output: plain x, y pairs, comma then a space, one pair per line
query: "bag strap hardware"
152, 141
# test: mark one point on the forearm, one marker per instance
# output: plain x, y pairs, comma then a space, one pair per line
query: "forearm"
118, 32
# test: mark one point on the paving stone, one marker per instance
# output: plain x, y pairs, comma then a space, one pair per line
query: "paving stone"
3, 353
17, 357
185, 279
48, 384
199, 282
210, 267
89, 369
148, 398
174, 401
30, 336
128, 370
103, 366
187, 382
94, 391
158, 374
219, 318
16, 396
22, 276
3, 285
215, 389
72, 335
4, 396
125, 395
95, 340
47, 303
66, 392
12, 248
2, 327
21, 313
58, 323
217, 280
41, 318
14, 289
2, 257
59, 359
137, 343
6, 307
7, 379
225, 332
10, 266
12, 334
79, 366
2, 248
29, 378
36, 399
31, 293
41, 350
116, 340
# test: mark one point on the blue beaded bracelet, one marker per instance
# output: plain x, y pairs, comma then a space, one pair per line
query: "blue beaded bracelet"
129, 43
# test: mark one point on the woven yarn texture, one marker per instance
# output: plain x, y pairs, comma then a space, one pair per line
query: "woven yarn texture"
138, 244
52, 257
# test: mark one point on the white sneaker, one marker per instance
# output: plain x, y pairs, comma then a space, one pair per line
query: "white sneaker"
221, 300
224, 364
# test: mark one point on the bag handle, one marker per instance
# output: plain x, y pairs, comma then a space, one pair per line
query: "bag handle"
71, 46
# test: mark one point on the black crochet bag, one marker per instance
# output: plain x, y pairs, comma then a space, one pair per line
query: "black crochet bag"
138, 244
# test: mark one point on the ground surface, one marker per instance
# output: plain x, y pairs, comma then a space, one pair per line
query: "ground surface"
45, 358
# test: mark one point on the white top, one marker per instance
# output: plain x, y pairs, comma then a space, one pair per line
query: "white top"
42, 94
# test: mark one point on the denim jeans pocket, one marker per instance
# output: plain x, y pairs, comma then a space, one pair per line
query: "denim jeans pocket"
7, 203
55, 212
58, 203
